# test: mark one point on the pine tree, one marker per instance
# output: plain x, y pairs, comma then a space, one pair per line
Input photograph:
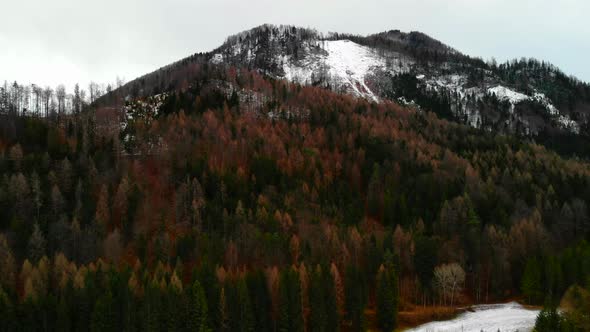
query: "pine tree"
63, 322
223, 314
356, 298
531, 284
102, 215
318, 316
331, 301
7, 313
548, 321
103, 315
387, 298
37, 244
290, 315
198, 309
261, 302
246, 317
374, 192
7, 265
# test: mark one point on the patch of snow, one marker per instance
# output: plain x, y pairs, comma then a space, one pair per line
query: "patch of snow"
452, 83
352, 63
568, 123
514, 98
541, 98
505, 94
420, 77
344, 63
403, 101
217, 58
508, 317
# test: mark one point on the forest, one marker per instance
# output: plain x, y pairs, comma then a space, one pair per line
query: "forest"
251, 204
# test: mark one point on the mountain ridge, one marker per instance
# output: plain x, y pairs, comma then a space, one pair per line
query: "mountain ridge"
524, 97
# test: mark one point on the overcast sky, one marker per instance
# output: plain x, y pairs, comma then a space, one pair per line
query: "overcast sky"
68, 41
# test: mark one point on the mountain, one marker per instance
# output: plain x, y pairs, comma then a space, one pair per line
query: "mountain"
526, 97
227, 198
523, 97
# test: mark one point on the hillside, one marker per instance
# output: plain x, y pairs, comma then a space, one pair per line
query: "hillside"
258, 198
527, 98
211, 196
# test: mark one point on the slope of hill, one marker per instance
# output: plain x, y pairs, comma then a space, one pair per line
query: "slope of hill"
290, 199
372, 67
231, 200
527, 98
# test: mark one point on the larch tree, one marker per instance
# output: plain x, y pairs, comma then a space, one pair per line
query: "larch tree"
37, 244
102, 215
7, 265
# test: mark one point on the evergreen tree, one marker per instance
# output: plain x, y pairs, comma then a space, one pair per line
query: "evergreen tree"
63, 322
387, 298
548, 321
197, 309
531, 285
322, 300
356, 298
317, 302
261, 303
425, 261
223, 312
103, 315
7, 313
290, 315
246, 318
37, 244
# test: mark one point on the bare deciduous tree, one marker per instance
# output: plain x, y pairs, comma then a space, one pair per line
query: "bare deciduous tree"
449, 279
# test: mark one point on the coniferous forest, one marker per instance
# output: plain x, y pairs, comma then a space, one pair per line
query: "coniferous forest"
252, 204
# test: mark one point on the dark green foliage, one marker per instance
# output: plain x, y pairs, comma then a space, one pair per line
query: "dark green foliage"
532, 287
387, 298
7, 313
260, 301
425, 260
290, 316
356, 298
323, 311
103, 315
198, 311
246, 317
549, 320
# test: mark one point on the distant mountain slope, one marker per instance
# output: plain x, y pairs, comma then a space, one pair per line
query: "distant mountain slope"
527, 97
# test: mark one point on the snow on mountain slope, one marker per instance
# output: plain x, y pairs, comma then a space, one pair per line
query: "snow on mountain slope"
346, 64
505, 94
352, 63
513, 97
342, 64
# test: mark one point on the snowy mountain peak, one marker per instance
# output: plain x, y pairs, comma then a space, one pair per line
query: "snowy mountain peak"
373, 67
525, 97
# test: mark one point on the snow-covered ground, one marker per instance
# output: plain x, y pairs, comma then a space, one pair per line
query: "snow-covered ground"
503, 93
346, 63
507, 317
351, 63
